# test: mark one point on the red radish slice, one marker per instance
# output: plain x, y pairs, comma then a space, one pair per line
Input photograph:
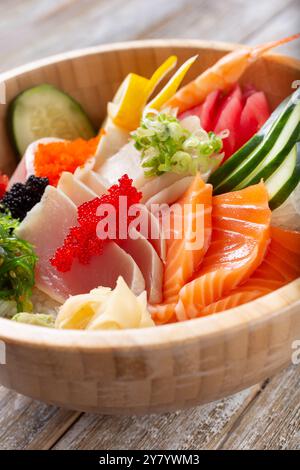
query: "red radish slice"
254, 115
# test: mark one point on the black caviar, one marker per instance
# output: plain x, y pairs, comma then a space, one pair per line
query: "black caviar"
22, 197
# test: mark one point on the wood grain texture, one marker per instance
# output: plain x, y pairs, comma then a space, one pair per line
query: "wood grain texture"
273, 422
199, 428
61, 25
30, 30
25, 423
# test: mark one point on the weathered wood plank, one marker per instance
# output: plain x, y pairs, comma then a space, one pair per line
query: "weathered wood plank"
78, 24
51, 27
25, 423
273, 421
233, 21
200, 427
284, 23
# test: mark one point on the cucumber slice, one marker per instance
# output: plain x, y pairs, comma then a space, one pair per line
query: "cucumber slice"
271, 155
262, 154
283, 181
222, 176
290, 134
45, 111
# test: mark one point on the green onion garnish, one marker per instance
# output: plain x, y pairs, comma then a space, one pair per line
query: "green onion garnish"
166, 146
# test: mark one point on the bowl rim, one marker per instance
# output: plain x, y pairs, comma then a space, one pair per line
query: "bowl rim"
138, 44
248, 316
228, 323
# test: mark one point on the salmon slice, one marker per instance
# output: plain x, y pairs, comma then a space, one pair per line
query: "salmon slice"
241, 234
185, 254
280, 266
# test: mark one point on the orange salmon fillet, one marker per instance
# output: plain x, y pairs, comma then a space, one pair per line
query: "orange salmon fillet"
185, 248
240, 237
280, 266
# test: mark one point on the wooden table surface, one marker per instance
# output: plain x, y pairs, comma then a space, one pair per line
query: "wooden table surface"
266, 416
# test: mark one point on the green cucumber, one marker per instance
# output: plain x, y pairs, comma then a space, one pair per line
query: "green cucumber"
46, 111
290, 134
239, 157
261, 156
271, 155
283, 181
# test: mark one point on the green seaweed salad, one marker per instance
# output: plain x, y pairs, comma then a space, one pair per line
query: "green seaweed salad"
17, 264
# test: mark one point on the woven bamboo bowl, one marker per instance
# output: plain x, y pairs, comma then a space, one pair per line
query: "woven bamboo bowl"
163, 368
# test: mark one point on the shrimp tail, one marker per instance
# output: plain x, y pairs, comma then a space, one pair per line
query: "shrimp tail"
257, 51
222, 74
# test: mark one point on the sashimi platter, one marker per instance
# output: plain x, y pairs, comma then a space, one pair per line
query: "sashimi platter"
183, 203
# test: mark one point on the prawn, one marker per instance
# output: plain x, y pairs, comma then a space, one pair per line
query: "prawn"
222, 75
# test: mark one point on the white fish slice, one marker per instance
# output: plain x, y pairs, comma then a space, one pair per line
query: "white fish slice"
149, 263
77, 191
114, 139
46, 227
153, 186
126, 161
92, 180
171, 193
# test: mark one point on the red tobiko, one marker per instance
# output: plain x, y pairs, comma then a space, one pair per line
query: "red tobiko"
3, 184
82, 242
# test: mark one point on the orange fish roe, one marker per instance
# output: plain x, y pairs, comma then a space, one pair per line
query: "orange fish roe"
52, 159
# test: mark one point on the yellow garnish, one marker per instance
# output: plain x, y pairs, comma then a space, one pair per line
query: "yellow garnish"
172, 86
130, 99
127, 106
161, 72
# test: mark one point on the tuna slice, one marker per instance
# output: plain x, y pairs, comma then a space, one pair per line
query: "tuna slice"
149, 263
46, 226
75, 189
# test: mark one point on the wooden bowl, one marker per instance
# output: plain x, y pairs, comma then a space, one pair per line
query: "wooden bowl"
167, 367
